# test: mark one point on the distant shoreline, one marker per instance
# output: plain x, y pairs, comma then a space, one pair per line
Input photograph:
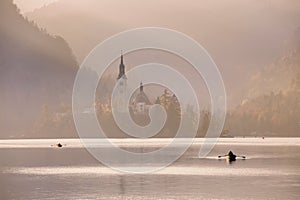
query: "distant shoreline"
152, 142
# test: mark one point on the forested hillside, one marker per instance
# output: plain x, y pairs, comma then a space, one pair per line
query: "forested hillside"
273, 103
36, 69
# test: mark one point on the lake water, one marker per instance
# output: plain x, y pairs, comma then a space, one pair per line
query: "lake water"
36, 169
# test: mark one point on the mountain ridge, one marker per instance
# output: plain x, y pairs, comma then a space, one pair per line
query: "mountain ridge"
35, 69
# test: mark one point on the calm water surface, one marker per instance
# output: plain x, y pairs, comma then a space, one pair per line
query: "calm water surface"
35, 169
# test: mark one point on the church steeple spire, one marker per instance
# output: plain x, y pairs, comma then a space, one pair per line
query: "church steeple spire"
122, 63
141, 87
122, 68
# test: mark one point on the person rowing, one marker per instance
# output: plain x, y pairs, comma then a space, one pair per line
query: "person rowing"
231, 156
59, 145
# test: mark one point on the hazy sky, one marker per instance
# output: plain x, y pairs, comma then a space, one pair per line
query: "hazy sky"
242, 36
29, 5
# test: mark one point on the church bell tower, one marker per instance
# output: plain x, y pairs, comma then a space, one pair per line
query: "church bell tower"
121, 87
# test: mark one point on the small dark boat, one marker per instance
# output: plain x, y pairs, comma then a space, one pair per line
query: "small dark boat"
230, 157
59, 145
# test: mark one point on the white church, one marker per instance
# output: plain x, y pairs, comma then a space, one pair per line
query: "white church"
139, 102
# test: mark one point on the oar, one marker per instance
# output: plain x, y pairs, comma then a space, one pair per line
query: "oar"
244, 157
222, 156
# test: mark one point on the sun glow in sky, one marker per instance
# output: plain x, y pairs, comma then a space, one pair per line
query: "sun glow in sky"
30, 5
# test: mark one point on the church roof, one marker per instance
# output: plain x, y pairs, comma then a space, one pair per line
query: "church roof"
141, 97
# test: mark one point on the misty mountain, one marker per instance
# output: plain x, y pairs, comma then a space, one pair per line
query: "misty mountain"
274, 114
273, 104
241, 36
278, 75
36, 69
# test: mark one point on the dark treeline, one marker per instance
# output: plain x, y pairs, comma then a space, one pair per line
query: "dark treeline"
267, 115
